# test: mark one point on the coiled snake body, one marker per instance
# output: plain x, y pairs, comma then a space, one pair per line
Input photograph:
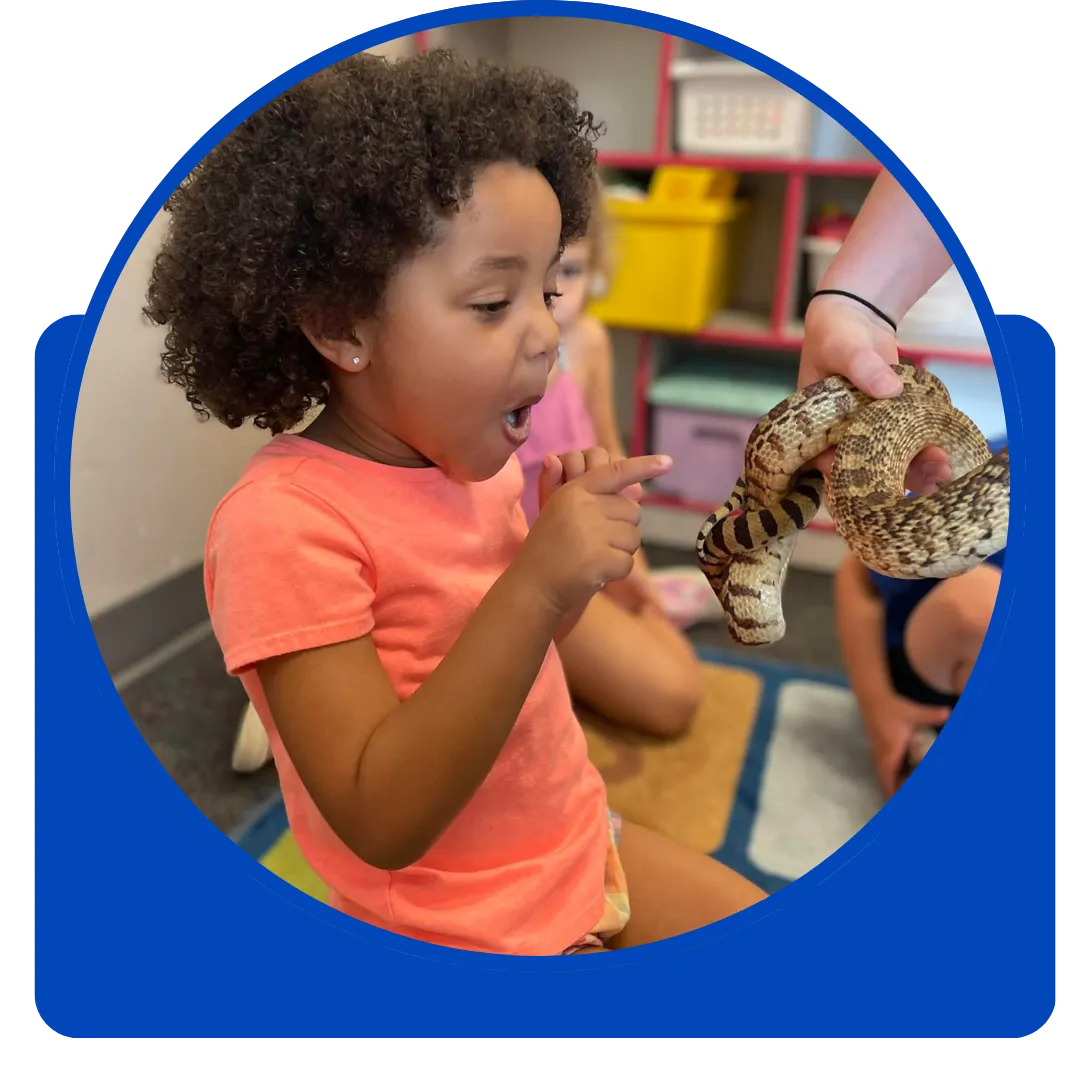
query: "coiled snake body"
745, 547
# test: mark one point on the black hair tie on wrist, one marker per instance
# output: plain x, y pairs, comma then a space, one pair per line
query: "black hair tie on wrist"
851, 296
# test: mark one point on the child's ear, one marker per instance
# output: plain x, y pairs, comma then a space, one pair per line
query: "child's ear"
351, 356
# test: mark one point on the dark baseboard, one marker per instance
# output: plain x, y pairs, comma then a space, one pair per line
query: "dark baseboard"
133, 630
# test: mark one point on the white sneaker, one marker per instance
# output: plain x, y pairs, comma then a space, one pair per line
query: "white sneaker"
251, 750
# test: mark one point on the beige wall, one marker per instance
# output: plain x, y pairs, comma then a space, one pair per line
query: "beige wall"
146, 473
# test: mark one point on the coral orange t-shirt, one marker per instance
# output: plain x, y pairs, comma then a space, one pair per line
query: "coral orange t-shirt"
313, 546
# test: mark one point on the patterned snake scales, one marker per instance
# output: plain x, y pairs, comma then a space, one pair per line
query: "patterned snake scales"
745, 547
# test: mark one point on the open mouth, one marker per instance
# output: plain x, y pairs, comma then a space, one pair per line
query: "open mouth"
516, 422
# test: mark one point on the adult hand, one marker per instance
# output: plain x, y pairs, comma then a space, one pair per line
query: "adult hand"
843, 337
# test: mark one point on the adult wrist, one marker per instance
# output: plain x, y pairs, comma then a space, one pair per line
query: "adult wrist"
891, 255
854, 300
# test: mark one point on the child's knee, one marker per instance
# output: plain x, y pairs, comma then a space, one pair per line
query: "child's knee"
971, 603
677, 701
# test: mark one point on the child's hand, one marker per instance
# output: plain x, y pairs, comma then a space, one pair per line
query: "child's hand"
891, 726
636, 593
561, 469
587, 532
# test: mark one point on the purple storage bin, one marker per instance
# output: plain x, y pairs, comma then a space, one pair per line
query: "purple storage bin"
708, 450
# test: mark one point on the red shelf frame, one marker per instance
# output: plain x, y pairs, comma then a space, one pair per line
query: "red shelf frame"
646, 162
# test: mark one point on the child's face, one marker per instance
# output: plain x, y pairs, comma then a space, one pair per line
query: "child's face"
467, 339
573, 283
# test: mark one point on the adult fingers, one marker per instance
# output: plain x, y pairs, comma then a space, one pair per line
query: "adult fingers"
928, 471
871, 374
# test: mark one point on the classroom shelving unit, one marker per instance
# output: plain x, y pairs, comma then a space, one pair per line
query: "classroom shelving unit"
625, 75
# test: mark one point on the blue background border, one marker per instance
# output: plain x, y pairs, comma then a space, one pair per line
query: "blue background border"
149, 921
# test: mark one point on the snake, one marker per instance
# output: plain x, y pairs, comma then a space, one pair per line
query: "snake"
744, 548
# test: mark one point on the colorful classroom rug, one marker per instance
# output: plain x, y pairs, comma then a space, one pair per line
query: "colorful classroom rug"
773, 776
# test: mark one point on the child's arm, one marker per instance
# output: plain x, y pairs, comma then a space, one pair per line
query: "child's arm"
595, 369
559, 470
890, 719
390, 776
860, 616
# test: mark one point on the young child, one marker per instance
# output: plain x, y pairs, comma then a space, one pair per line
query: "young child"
625, 658
909, 648
383, 240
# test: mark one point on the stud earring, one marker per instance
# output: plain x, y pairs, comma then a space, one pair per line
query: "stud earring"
356, 359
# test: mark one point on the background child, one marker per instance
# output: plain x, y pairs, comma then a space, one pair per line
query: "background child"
625, 658
909, 647
383, 240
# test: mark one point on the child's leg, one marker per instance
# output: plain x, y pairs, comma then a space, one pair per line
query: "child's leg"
674, 889
635, 670
943, 637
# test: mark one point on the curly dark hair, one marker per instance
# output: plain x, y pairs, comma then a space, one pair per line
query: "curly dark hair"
302, 213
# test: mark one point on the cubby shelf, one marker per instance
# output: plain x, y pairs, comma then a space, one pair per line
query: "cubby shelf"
780, 331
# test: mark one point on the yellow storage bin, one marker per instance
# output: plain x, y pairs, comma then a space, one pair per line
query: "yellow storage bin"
673, 254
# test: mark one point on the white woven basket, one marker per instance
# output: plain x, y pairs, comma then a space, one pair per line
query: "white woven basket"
727, 107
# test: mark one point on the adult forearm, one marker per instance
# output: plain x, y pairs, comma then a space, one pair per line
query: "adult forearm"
891, 255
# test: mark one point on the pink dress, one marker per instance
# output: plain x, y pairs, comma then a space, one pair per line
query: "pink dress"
560, 423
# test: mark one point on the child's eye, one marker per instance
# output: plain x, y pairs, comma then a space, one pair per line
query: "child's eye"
551, 297
494, 308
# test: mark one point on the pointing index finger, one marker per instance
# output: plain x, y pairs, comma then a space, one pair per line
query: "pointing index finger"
612, 478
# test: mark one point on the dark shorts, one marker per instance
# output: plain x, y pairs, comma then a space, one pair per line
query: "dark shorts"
908, 683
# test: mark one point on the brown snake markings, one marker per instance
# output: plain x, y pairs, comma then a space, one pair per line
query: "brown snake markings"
745, 547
